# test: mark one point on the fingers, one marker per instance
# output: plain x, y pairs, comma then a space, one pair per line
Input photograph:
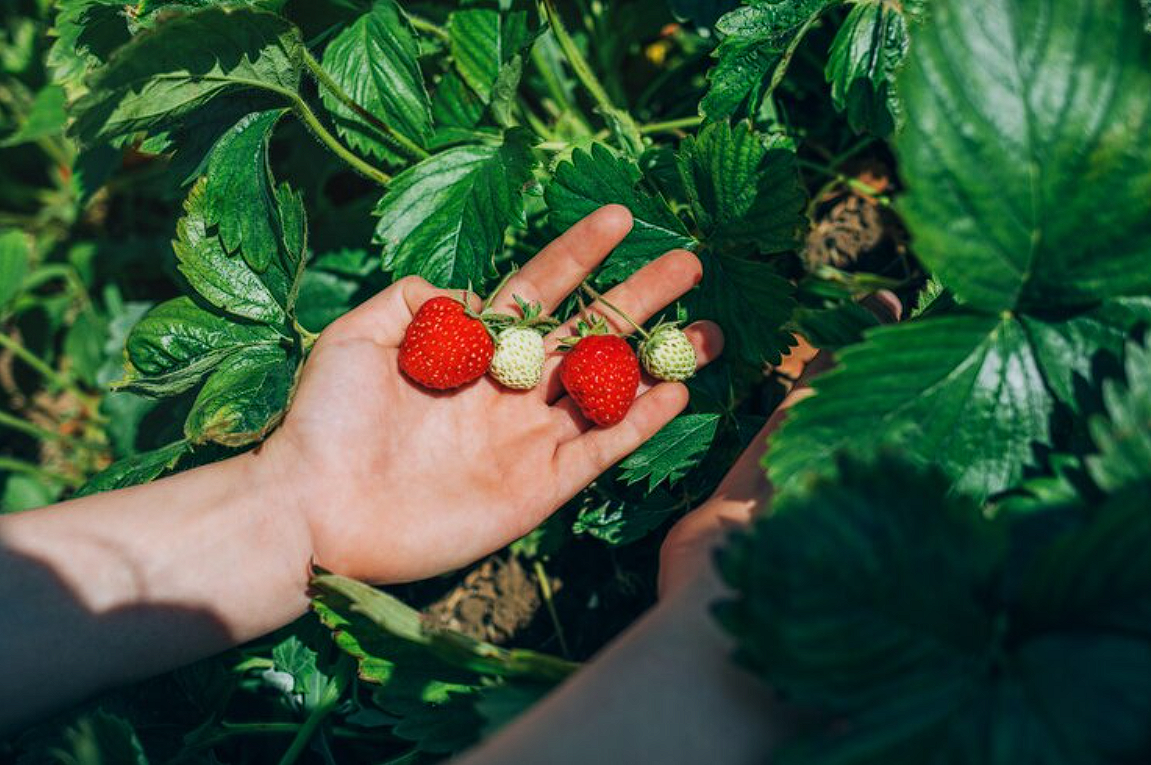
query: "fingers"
385, 317
644, 294
579, 461
559, 268
707, 338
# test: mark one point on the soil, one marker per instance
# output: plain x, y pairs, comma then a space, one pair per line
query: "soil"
493, 602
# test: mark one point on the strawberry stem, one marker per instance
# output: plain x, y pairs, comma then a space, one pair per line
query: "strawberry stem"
601, 299
499, 288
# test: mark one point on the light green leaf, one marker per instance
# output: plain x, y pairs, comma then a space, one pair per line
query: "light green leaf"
166, 72
375, 61
672, 452
135, 470
481, 40
445, 218
750, 301
177, 343
238, 194
862, 64
965, 392
1026, 133
86, 32
14, 257
597, 177
243, 399
227, 281
744, 188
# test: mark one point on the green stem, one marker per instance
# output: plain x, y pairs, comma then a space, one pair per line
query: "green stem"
34, 430
601, 299
420, 24
588, 79
404, 143
309, 118
47, 372
20, 466
852, 183
669, 126
546, 591
306, 731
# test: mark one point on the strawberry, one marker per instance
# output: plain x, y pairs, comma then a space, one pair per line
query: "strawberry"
519, 359
601, 373
667, 353
446, 345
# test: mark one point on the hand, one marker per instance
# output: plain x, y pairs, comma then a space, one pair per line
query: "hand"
687, 551
398, 483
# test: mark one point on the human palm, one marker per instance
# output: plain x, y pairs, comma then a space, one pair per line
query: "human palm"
401, 483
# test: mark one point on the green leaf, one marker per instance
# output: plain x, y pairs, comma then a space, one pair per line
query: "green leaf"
754, 38
84, 344
596, 177
750, 301
227, 281
965, 392
481, 40
672, 452
862, 65
97, 738
177, 343
702, 13
46, 117
186, 60
375, 61
238, 195
294, 658
1123, 437
744, 188
86, 32
14, 261
835, 327
454, 105
243, 399
1035, 156
135, 470
617, 521
445, 218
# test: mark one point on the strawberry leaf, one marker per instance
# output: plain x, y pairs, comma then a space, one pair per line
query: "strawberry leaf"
482, 39
744, 188
596, 177
445, 217
375, 61
672, 452
166, 72
243, 398
1036, 158
135, 470
1123, 437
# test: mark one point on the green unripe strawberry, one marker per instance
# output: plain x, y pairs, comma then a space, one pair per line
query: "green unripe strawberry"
667, 354
518, 362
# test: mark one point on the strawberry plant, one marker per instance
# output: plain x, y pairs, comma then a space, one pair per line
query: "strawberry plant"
190, 192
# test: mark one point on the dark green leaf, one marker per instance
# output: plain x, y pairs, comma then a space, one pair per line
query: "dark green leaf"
46, 117
965, 392
135, 470
182, 63
744, 188
454, 105
324, 297
617, 522
238, 194
598, 177
702, 13
750, 301
86, 32
835, 327
84, 344
445, 218
177, 343
375, 61
1123, 437
243, 399
861, 67
1035, 157
674, 450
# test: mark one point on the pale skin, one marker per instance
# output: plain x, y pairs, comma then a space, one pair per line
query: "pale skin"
373, 477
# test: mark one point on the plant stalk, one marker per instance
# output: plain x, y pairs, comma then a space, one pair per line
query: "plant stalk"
601, 299
670, 126
407, 145
420, 24
20, 466
48, 373
546, 591
309, 118
785, 61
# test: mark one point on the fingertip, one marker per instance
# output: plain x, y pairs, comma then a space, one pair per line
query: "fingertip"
615, 218
708, 339
688, 262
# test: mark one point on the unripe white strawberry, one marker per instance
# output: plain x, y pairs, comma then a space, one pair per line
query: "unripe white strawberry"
667, 354
518, 362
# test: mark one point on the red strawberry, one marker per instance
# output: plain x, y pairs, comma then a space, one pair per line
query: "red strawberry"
601, 373
445, 346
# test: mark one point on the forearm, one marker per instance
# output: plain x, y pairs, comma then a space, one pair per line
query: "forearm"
666, 691
119, 586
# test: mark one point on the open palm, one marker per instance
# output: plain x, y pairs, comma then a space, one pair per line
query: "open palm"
401, 483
